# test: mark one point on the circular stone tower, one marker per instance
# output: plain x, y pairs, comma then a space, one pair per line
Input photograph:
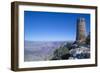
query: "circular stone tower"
81, 30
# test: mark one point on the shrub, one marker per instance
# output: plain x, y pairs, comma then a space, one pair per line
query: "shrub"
60, 52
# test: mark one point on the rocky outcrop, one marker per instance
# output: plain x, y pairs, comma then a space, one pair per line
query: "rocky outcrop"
73, 50
81, 52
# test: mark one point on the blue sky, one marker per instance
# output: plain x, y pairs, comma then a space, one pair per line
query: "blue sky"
52, 26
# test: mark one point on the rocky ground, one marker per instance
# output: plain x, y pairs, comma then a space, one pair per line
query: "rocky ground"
74, 51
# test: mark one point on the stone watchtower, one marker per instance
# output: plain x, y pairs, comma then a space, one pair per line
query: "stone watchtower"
81, 30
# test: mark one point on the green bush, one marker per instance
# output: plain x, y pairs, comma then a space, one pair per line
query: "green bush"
88, 40
58, 53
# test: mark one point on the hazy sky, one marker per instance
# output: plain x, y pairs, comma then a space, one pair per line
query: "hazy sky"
52, 26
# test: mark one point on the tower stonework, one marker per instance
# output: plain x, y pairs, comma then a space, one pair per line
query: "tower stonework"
81, 30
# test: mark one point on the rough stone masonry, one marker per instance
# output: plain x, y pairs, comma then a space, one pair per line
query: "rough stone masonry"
81, 30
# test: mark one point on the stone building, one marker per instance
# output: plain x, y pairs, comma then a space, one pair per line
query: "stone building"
80, 31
